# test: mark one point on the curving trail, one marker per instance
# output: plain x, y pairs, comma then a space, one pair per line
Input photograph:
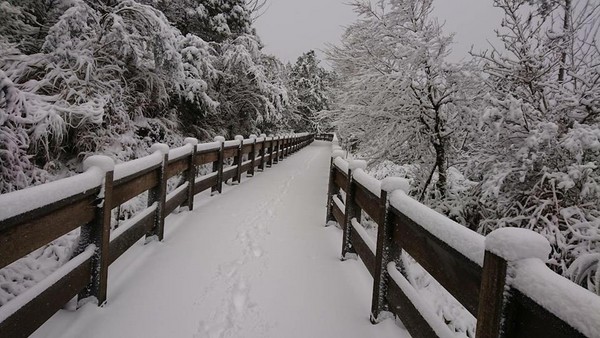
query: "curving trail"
254, 261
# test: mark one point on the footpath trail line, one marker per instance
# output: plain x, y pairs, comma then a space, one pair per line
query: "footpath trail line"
254, 261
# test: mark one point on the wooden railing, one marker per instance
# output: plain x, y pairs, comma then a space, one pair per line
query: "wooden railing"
34, 217
533, 302
324, 137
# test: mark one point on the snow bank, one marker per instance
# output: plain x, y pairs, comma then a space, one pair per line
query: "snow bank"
131, 167
208, 146
372, 184
514, 244
568, 301
390, 184
23, 299
428, 313
21, 201
463, 240
341, 163
364, 235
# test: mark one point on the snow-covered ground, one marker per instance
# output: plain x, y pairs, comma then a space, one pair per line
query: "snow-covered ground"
255, 261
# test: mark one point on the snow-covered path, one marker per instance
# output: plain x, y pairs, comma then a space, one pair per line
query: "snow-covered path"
254, 261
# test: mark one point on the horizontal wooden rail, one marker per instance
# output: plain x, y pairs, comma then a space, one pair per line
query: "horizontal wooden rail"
102, 188
453, 255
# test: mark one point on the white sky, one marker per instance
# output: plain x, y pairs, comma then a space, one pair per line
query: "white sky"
292, 27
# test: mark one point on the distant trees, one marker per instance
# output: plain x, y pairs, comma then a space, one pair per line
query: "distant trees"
310, 85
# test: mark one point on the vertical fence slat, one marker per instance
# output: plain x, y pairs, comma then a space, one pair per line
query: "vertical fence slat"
158, 195
98, 233
191, 173
252, 157
352, 211
218, 166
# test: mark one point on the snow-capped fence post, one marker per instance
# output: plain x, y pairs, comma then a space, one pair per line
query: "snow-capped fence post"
158, 194
503, 247
386, 249
252, 156
191, 172
283, 147
97, 232
271, 149
352, 210
218, 166
237, 159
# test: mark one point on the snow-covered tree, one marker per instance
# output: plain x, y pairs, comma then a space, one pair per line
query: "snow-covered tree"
398, 99
540, 132
309, 84
215, 20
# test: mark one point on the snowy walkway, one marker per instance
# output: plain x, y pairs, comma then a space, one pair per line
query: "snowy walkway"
255, 261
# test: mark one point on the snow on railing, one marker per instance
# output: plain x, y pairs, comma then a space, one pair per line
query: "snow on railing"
483, 273
33, 217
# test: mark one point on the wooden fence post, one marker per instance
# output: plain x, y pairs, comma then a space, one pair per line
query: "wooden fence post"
252, 156
158, 194
238, 159
386, 251
277, 140
218, 166
352, 209
191, 172
331, 190
271, 148
262, 152
502, 248
97, 232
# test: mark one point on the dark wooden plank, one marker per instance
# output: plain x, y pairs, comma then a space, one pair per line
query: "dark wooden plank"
21, 239
338, 214
247, 148
341, 179
230, 172
455, 272
205, 183
246, 166
363, 251
492, 290
368, 202
529, 319
125, 191
35, 313
206, 157
175, 201
230, 152
401, 306
119, 245
46, 209
177, 166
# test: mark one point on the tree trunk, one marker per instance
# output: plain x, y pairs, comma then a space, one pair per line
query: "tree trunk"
567, 37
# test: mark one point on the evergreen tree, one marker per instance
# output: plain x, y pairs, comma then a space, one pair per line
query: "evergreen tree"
309, 84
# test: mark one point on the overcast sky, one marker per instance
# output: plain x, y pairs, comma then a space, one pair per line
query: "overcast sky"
290, 27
